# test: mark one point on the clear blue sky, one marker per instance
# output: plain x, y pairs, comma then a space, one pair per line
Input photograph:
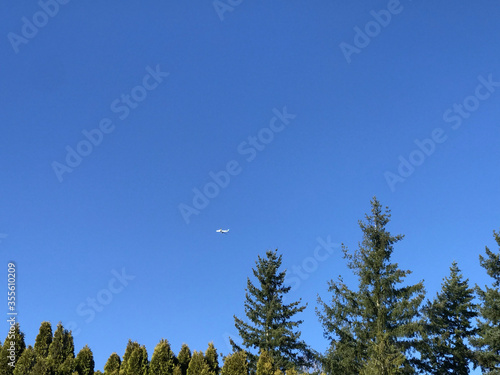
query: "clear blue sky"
355, 106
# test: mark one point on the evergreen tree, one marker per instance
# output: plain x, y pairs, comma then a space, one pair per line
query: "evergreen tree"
487, 341
61, 352
384, 358
26, 362
265, 364
98, 372
177, 370
138, 363
198, 365
163, 360
212, 360
131, 346
235, 364
449, 327
381, 316
271, 327
84, 362
43, 340
184, 358
112, 366
12, 349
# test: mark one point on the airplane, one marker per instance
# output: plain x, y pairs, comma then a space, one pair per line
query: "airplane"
222, 230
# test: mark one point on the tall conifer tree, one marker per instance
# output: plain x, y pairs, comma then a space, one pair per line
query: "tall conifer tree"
235, 364
378, 320
212, 359
12, 349
198, 365
26, 362
271, 326
449, 327
131, 346
487, 342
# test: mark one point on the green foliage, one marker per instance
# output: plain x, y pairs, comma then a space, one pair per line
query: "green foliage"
384, 358
380, 308
84, 362
131, 346
98, 372
163, 361
487, 342
265, 364
177, 370
198, 365
43, 340
12, 349
184, 358
26, 362
271, 327
212, 359
112, 366
449, 327
235, 364
138, 363
61, 358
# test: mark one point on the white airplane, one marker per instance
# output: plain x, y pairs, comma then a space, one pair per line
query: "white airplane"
222, 230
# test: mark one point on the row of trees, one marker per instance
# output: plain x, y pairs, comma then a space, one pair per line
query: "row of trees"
382, 327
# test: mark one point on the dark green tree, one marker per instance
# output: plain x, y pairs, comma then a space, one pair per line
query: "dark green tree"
61, 358
448, 320
163, 360
184, 358
381, 314
131, 346
98, 372
487, 342
138, 363
198, 365
26, 362
43, 340
84, 362
12, 349
235, 364
271, 326
212, 359
112, 366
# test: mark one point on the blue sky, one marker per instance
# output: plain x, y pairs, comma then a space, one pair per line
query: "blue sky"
309, 109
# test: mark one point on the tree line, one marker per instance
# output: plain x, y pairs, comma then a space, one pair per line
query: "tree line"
384, 326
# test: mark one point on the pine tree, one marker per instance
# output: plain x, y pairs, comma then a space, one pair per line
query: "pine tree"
184, 358
449, 327
112, 366
131, 346
12, 349
138, 363
198, 365
61, 352
212, 360
487, 342
271, 327
235, 364
177, 370
84, 362
163, 360
26, 362
43, 340
381, 309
